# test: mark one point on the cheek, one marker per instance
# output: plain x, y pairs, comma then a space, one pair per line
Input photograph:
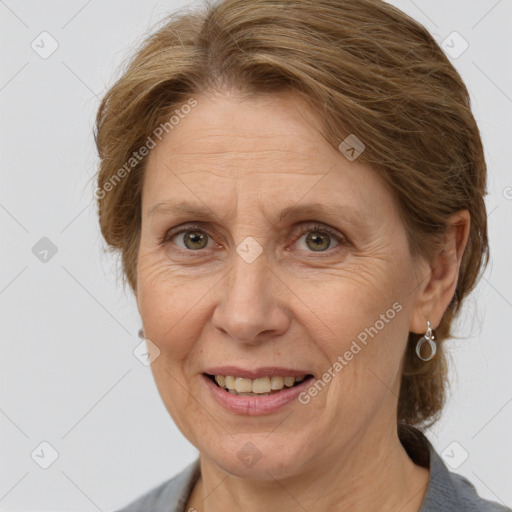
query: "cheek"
351, 299
365, 309
169, 308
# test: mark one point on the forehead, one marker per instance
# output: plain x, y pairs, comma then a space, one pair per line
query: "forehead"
267, 149
278, 125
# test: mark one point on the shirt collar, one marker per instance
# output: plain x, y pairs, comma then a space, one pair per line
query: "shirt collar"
441, 487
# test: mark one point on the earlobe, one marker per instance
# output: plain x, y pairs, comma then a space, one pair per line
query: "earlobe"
437, 289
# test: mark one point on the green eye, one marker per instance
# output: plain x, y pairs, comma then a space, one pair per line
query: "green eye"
192, 239
318, 241
319, 238
315, 238
195, 240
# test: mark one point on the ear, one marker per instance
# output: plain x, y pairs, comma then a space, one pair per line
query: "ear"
438, 285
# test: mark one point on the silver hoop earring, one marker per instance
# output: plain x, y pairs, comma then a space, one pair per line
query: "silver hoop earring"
429, 338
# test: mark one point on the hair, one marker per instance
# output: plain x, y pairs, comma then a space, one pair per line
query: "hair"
367, 69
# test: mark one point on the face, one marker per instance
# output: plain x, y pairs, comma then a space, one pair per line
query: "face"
289, 260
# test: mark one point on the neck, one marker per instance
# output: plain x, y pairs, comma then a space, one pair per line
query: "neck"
373, 473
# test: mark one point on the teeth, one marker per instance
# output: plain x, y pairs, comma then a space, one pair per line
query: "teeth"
243, 385
289, 381
277, 383
262, 386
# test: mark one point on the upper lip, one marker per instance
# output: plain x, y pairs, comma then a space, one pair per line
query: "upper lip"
256, 373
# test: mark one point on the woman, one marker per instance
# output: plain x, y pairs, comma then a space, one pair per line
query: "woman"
296, 190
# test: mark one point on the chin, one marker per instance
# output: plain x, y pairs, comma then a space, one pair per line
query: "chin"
256, 457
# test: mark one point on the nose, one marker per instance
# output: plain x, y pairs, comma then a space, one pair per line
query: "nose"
250, 310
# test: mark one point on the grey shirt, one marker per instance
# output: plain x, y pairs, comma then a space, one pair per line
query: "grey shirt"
446, 492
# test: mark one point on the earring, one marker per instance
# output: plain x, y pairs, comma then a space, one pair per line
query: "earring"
141, 333
429, 338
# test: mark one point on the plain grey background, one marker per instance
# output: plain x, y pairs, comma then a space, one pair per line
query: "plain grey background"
68, 330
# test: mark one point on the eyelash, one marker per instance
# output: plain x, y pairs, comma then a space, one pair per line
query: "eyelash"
301, 231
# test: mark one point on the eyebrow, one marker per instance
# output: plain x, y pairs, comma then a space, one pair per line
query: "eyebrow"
331, 209
311, 209
181, 208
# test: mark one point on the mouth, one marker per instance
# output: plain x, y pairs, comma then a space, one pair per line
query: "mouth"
255, 391
258, 387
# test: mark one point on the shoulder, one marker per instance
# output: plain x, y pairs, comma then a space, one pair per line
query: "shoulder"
169, 496
446, 490
469, 498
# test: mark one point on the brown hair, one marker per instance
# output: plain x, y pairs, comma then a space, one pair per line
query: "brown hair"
367, 69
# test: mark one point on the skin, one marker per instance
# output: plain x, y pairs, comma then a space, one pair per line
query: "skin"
294, 306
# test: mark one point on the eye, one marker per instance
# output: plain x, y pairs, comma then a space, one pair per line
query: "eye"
318, 238
194, 238
188, 238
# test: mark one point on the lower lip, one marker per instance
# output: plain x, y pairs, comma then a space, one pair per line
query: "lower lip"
255, 405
